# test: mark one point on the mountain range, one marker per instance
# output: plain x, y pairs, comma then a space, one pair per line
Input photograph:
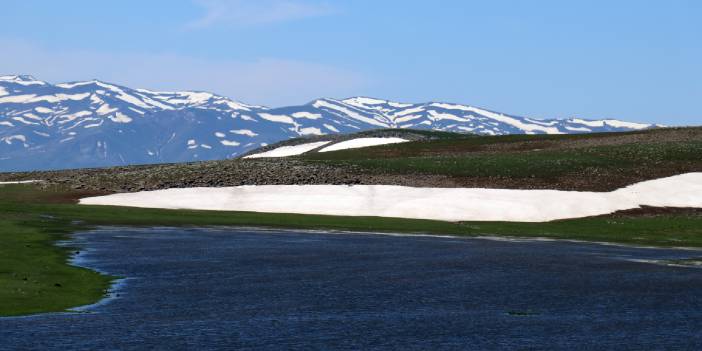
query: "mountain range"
98, 124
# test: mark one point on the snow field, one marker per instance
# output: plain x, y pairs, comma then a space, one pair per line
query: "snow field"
446, 204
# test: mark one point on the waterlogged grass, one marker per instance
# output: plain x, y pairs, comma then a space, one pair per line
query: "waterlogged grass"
35, 276
663, 230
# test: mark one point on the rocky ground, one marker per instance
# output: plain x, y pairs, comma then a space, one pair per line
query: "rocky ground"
223, 173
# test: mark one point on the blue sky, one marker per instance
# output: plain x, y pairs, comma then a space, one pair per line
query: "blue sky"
633, 60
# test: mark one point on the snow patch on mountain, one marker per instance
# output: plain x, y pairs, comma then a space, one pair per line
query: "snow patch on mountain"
244, 132
436, 116
331, 128
307, 115
43, 110
277, 118
366, 102
348, 112
630, 125
120, 118
16, 98
311, 131
10, 139
21, 80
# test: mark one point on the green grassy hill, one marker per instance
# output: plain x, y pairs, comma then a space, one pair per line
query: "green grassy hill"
594, 162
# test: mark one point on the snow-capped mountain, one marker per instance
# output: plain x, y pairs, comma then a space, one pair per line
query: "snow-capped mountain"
95, 124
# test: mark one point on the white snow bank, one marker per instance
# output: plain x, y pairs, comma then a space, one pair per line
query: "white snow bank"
362, 142
293, 150
445, 204
21, 182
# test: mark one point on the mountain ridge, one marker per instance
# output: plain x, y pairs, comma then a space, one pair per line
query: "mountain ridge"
96, 124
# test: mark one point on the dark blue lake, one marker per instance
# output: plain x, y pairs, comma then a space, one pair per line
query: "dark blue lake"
256, 289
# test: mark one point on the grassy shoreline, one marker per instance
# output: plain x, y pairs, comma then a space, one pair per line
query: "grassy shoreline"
35, 276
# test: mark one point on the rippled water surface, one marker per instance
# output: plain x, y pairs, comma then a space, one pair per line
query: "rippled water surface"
252, 289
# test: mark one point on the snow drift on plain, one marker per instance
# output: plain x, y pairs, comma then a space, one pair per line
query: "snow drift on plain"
361, 143
445, 204
293, 150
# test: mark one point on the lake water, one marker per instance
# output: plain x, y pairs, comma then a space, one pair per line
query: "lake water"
256, 289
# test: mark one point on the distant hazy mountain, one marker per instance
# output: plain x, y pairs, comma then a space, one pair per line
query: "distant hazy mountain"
94, 124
